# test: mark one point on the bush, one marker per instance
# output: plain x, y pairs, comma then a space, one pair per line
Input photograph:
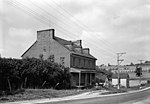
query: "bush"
32, 73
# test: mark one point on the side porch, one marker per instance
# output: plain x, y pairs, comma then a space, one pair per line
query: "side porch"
82, 77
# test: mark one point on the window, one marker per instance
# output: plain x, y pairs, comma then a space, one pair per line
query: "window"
76, 62
89, 64
84, 63
79, 62
51, 58
62, 61
73, 61
93, 64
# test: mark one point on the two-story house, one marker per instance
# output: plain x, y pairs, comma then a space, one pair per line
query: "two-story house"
68, 53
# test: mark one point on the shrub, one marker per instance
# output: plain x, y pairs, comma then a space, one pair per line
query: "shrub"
32, 73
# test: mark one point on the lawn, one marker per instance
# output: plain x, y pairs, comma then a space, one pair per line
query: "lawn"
30, 94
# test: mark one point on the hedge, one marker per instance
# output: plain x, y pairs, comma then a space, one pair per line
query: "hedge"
32, 73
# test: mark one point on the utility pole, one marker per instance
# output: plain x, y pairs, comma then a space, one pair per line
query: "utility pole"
118, 64
141, 61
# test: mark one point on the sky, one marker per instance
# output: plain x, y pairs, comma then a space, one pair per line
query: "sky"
106, 27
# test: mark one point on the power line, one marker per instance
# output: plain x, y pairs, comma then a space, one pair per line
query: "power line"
66, 17
78, 22
72, 33
62, 22
33, 13
47, 13
38, 16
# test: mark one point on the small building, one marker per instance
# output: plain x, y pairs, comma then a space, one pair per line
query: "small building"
67, 53
123, 79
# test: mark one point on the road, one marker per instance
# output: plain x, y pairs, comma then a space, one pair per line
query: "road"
142, 97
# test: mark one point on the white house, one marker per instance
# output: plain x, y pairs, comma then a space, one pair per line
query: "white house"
123, 79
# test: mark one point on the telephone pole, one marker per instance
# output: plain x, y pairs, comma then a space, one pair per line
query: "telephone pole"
118, 64
141, 61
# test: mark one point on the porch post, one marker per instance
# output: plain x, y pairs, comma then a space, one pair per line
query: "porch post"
85, 79
79, 78
90, 78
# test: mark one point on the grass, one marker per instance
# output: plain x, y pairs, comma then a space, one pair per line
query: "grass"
30, 94
113, 90
139, 87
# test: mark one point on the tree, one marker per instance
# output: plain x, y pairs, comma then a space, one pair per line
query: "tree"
32, 73
147, 62
131, 63
138, 72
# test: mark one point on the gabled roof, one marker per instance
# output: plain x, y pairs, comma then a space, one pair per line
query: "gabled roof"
74, 51
121, 75
29, 48
86, 55
63, 41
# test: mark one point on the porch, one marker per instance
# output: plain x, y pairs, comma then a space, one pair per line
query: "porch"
83, 77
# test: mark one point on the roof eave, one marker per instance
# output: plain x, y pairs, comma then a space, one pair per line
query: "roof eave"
28, 49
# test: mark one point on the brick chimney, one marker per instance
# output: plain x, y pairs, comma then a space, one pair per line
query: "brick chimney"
86, 50
78, 42
45, 35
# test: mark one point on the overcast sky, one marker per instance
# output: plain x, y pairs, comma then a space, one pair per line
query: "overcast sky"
106, 27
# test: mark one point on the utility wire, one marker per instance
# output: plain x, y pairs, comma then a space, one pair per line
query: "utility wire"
40, 17
41, 9
81, 24
57, 19
77, 23
43, 19
48, 12
55, 10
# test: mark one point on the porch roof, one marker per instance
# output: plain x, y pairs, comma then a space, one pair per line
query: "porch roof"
77, 70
